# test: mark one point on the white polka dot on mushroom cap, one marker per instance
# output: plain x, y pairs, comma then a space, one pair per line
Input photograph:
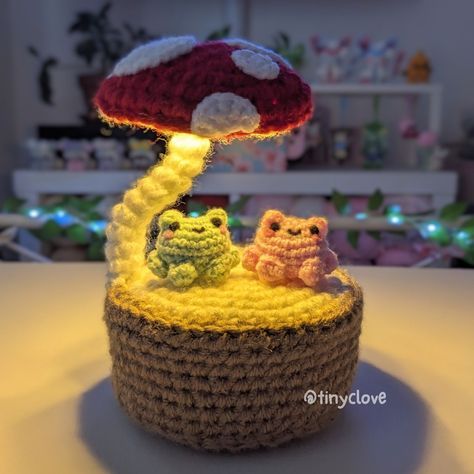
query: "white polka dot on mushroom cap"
243, 44
224, 113
153, 54
260, 66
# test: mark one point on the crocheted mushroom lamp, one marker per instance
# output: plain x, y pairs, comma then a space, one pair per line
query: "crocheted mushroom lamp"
206, 352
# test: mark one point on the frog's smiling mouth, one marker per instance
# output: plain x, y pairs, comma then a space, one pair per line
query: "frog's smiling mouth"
199, 230
294, 232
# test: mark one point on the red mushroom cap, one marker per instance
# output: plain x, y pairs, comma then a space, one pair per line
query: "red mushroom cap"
217, 89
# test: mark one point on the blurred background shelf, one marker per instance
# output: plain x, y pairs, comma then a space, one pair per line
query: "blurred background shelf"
433, 92
440, 185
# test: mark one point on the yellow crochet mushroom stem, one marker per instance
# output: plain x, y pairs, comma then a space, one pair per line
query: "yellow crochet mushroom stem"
158, 189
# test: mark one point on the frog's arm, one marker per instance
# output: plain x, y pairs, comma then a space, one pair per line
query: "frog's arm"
158, 266
183, 274
250, 257
235, 257
270, 269
221, 266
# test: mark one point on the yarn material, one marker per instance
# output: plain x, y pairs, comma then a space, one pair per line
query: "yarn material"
157, 190
190, 249
242, 302
288, 248
222, 114
164, 97
153, 54
230, 390
256, 48
255, 64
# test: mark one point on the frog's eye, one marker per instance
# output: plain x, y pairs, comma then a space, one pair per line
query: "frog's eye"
275, 226
314, 229
216, 221
174, 226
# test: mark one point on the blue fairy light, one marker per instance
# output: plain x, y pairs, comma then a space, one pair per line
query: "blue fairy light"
395, 219
394, 209
463, 238
193, 214
462, 235
429, 229
34, 212
360, 216
97, 226
63, 218
394, 214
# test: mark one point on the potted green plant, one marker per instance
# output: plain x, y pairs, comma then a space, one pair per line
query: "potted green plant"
294, 53
100, 45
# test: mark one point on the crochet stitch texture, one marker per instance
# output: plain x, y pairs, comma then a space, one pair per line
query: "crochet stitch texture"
165, 96
193, 248
288, 248
225, 367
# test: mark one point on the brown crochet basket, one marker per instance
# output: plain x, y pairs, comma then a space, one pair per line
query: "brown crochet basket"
230, 390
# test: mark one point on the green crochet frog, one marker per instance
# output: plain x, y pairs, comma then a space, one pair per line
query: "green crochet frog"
190, 249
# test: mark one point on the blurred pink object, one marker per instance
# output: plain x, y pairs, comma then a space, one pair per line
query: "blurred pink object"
296, 142
410, 204
427, 139
248, 156
367, 247
398, 257
408, 128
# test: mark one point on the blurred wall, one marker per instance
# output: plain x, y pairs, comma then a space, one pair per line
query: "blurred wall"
443, 29
7, 117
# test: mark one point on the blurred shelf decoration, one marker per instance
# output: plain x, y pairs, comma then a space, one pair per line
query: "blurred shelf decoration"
433, 92
375, 230
71, 228
89, 154
441, 186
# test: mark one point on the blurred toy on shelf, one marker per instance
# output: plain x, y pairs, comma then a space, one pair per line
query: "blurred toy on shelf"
409, 133
418, 69
430, 155
420, 148
374, 140
408, 129
333, 58
378, 61
87, 154
141, 153
308, 147
77, 154
248, 156
374, 144
342, 144
109, 153
43, 154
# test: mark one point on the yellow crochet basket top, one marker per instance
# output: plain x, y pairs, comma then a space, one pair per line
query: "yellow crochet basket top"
241, 303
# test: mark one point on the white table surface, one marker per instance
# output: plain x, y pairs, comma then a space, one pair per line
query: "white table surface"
58, 413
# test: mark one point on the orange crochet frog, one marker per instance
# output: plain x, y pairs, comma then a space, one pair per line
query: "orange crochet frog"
288, 248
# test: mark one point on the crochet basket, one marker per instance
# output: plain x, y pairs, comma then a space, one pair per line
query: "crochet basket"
227, 368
